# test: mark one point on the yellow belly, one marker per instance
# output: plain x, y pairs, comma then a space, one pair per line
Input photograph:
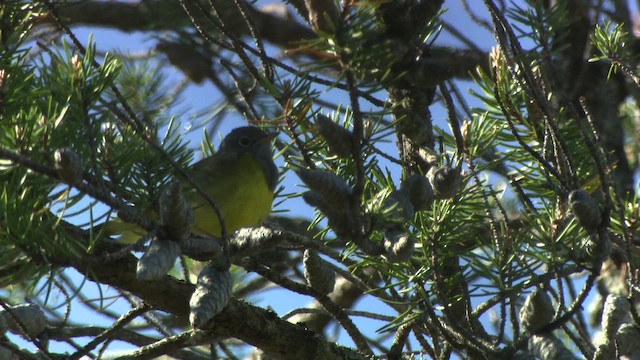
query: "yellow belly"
240, 192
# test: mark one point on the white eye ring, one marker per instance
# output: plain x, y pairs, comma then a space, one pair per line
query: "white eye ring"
245, 141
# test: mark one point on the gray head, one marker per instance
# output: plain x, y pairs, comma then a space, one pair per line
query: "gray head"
249, 139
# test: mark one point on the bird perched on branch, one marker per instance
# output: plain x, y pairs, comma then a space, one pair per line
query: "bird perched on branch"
240, 178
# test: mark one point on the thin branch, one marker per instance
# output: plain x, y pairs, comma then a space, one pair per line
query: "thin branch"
399, 340
226, 351
575, 306
130, 118
290, 69
453, 120
23, 329
519, 139
149, 316
477, 20
119, 324
365, 314
627, 70
14, 349
169, 345
334, 310
512, 49
534, 281
255, 34
236, 80
458, 34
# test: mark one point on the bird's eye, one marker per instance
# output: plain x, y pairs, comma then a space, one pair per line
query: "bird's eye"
245, 141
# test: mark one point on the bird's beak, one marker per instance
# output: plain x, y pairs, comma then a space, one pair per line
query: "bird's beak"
267, 138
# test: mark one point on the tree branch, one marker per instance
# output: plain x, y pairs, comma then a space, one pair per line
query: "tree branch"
254, 325
273, 22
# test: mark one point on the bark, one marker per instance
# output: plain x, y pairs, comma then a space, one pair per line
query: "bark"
274, 23
241, 320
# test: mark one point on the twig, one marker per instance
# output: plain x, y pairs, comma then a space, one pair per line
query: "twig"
236, 80
597, 153
458, 34
236, 45
501, 250
533, 281
280, 64
84, 187
23, 329
400, 339
332, 308
453, 120
148, 316
627, 70
226, 351
479, 21
266, 66
132, 119
356, 152
168, 345
291, 125
382, 153
424, 344
459, 339
575, 306
16, 350
628, 237
119, 324
519, 139
67, 297
508, 40
365, 314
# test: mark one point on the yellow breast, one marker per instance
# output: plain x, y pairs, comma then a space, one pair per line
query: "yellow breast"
240, 191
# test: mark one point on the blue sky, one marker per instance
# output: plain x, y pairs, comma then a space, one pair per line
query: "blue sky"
198, 97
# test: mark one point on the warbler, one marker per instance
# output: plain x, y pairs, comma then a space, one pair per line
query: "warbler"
240, 178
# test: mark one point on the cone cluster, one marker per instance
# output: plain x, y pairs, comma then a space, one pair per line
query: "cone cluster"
212, 294
596, 246
317, 272
388, 211
536, 313
619, 337
68, 165
27, 320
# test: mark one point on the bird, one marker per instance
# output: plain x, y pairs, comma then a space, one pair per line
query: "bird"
240, 178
